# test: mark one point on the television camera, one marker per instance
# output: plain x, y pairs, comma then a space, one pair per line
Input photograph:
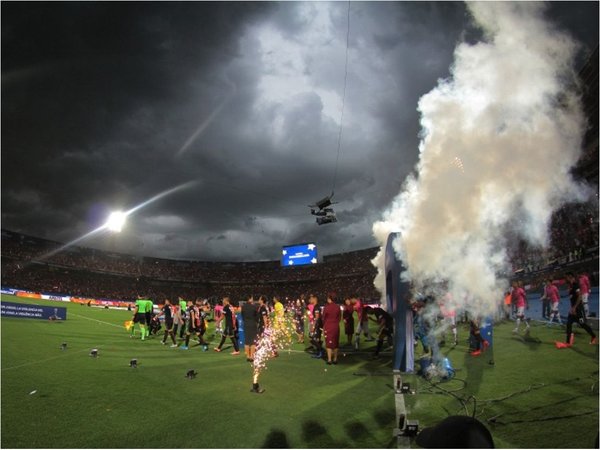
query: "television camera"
323, 210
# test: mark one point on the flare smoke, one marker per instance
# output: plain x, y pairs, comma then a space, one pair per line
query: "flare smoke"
498, 139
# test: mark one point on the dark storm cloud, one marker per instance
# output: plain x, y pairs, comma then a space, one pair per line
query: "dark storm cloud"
86, 86
107, 104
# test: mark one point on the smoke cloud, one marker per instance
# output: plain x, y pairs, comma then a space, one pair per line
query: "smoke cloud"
498, 139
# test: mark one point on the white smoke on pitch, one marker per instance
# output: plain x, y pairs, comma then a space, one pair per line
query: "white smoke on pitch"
498, 139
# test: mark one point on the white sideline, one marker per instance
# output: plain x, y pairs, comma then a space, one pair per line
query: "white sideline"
43, 360
96, 320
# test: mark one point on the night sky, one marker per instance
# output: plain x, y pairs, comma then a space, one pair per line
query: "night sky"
105, 105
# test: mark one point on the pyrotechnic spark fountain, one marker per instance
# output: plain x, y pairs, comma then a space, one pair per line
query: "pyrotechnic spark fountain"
111, 224
278, 336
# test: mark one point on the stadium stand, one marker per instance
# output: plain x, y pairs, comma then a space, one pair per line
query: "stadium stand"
95, 273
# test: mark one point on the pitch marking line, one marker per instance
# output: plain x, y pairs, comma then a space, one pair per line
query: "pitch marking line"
42, 360
96, 320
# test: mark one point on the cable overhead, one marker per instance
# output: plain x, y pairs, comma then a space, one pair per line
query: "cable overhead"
322, 209
339, 143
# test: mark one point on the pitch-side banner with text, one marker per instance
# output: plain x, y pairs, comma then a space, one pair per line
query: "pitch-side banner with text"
25, 311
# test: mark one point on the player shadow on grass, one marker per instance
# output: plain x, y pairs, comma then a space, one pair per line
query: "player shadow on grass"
532, 343
580, 352
276, 439
474, 367
316, 436
360, 435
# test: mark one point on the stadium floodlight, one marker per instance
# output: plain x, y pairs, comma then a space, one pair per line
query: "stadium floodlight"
116, 221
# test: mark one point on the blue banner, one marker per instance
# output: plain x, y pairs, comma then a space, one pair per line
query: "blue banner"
240, 329
487, 330
24, 311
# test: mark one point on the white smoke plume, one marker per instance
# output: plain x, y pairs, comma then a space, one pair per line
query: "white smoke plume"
498, 139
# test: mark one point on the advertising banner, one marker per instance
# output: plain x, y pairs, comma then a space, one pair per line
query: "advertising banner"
56, 298
95, 302
24, 311
28, 294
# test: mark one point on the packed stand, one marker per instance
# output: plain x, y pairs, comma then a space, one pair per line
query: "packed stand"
93, 273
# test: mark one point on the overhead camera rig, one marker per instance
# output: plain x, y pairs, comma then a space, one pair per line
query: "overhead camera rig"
323, 210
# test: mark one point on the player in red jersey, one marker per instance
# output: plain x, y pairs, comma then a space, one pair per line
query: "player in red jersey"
584, 286
519, 298
551, 293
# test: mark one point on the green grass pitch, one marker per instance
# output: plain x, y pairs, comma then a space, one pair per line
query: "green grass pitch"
85, 402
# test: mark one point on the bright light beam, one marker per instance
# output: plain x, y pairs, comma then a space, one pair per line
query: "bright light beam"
187, 185
117, 217
206, 123
116, 221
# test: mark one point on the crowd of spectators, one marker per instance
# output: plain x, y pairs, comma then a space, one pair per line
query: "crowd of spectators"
573, 237
28, 263
27, 248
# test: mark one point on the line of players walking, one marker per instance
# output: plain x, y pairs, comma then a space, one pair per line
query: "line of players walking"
432, 317
578, 290
190, 318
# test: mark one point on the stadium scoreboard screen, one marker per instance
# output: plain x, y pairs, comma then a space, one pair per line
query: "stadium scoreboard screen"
299, 255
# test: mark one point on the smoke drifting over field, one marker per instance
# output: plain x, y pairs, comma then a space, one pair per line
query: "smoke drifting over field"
497, 141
